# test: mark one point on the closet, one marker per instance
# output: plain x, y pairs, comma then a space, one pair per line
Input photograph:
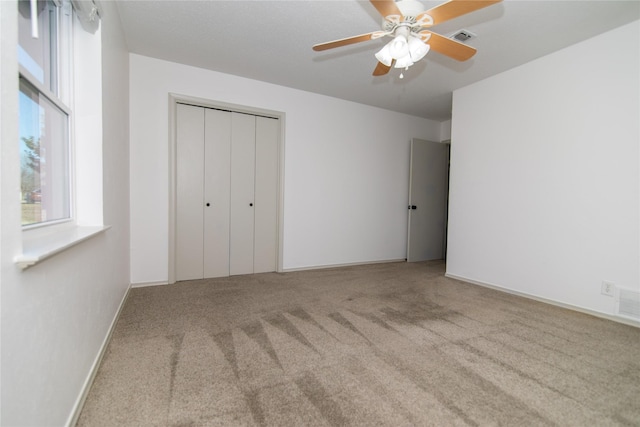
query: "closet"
226, 193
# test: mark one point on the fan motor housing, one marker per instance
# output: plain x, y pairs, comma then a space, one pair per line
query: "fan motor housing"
410, 10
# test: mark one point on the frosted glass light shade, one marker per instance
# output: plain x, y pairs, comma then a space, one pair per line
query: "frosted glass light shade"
384, 56
398, 47
404, 62
417, 49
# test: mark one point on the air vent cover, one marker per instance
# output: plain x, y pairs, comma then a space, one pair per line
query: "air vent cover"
629, 303
463, 35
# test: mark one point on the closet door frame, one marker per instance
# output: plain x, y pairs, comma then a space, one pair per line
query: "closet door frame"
175, 99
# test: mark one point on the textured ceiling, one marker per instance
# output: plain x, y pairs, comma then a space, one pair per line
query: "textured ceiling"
271, 41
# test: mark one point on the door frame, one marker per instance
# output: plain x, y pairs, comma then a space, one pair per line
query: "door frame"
175, 99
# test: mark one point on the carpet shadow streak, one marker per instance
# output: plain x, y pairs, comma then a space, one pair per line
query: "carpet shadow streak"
256, 332
282, 323
313, 390
176, 346
224, 340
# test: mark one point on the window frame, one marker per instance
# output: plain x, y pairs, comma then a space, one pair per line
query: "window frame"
81, 93
63, 101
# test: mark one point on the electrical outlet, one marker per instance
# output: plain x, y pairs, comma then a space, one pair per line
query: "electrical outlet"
608, 288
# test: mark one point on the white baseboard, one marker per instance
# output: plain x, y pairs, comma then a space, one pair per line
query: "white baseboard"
351, 264
145, 284
618, 319
77, 407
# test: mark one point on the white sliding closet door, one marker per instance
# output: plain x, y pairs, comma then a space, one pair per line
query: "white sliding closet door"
227, 192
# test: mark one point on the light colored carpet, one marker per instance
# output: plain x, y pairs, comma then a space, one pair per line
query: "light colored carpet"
386, 344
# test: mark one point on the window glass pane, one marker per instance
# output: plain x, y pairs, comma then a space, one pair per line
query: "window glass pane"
44, 158
38, 55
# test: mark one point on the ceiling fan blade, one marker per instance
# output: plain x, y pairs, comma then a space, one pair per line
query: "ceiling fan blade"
454, 8
386, 7
382, 69
450, 47
344, 42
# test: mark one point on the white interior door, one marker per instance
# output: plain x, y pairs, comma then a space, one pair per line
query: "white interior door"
243, 154
428, 190
189, 193
217, 192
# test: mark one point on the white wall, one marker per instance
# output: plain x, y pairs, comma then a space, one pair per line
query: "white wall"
445, 130
346, 168
545, 174
56, 314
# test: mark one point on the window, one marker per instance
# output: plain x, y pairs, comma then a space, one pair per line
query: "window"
45, 149
59, 141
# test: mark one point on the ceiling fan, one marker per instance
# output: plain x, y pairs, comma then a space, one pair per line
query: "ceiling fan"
406, 22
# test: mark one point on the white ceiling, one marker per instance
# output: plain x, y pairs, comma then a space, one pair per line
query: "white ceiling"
271, 41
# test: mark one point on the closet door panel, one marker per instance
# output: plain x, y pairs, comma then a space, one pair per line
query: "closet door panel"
243, 131
266, 192
217, 192
189, 192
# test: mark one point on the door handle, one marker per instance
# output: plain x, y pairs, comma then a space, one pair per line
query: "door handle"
250, 204
413, 207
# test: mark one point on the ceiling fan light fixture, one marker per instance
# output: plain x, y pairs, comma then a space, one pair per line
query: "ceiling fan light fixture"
384, 56
408, 24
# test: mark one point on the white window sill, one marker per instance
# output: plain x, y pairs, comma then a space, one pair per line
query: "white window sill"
38, 247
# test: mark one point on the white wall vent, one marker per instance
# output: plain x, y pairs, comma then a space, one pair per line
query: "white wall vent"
463, 35
629, 303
